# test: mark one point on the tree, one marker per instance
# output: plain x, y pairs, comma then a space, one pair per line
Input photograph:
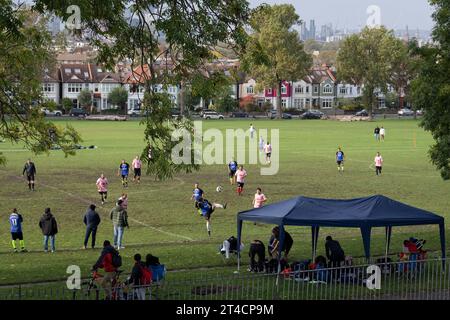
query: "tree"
66, 104
25, 48
368, 59
85, 99
119, 97
431, 89
404, 71
274, 52
191, 29
226, 104
210, 86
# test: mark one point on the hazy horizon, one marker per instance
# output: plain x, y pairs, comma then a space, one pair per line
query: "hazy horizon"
351, 14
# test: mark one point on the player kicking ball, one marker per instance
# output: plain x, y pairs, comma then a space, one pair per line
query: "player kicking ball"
124, 170
340, 157
240, 178
206, 209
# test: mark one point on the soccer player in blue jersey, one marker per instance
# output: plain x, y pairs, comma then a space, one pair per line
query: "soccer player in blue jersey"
232, 167
197, 195
205, 209
15, 221
124, 169
340, 157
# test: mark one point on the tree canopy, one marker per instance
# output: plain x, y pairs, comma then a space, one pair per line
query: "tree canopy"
25, 56
431, 89
190, 30
274, 52
369, 58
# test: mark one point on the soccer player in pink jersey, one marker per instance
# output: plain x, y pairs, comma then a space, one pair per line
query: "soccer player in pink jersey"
240, 177
137, 164
102, 187
268, 151
378, 163
259, 199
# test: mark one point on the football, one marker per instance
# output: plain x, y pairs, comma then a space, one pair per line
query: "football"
219, 189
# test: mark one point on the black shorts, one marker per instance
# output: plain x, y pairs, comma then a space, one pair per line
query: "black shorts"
137, 172
17, 235
240, 184
268, 155
103, 192
30, 177
124, 176
207, 216
339, 162
232, 173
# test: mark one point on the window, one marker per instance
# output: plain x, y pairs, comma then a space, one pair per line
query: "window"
269, 91
316, 89
327, 89
307, 89
283, 103
299, 89
299, 103
327, 103
74, 87
99, 70
358, 90
283, 89
108, 87
68, 70
86, 75
343, 90
134, 104
351, 90
77, 71
172, 89
48, 87
250, 90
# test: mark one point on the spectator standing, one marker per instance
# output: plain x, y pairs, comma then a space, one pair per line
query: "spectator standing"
49, 229
119, 218
91, 220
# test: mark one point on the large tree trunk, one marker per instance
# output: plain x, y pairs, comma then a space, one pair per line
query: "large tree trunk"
279, 111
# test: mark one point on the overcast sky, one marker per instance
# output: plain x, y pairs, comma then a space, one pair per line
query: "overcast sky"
395, 14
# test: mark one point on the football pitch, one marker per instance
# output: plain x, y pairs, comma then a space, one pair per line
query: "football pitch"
161, 214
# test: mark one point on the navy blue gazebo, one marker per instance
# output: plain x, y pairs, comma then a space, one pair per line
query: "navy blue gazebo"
362, 213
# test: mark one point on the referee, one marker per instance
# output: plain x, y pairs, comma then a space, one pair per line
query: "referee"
30, 169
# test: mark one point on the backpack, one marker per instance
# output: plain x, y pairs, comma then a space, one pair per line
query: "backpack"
116, 259
146, 276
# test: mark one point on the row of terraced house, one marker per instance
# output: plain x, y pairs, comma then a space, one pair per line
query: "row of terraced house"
318, 90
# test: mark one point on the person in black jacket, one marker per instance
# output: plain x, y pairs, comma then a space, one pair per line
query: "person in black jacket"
91, 220
49, 229
334, 252
136, 276
30, 169
274, 243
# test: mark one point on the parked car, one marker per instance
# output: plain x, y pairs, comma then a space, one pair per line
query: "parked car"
273, 114
312, 114
405, 112
362, 113
202, 112
77, 112
419, 112
52, 113
239, 114
212, 115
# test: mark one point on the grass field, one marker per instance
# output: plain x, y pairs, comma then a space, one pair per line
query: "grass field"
162, 218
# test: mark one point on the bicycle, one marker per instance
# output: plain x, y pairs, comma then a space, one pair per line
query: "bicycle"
92, 285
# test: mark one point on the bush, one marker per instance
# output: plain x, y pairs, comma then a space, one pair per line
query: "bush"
351, 107
250, 107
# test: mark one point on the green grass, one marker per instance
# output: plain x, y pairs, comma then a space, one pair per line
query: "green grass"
162, 216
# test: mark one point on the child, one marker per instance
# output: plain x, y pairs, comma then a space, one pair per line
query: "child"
15, 221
